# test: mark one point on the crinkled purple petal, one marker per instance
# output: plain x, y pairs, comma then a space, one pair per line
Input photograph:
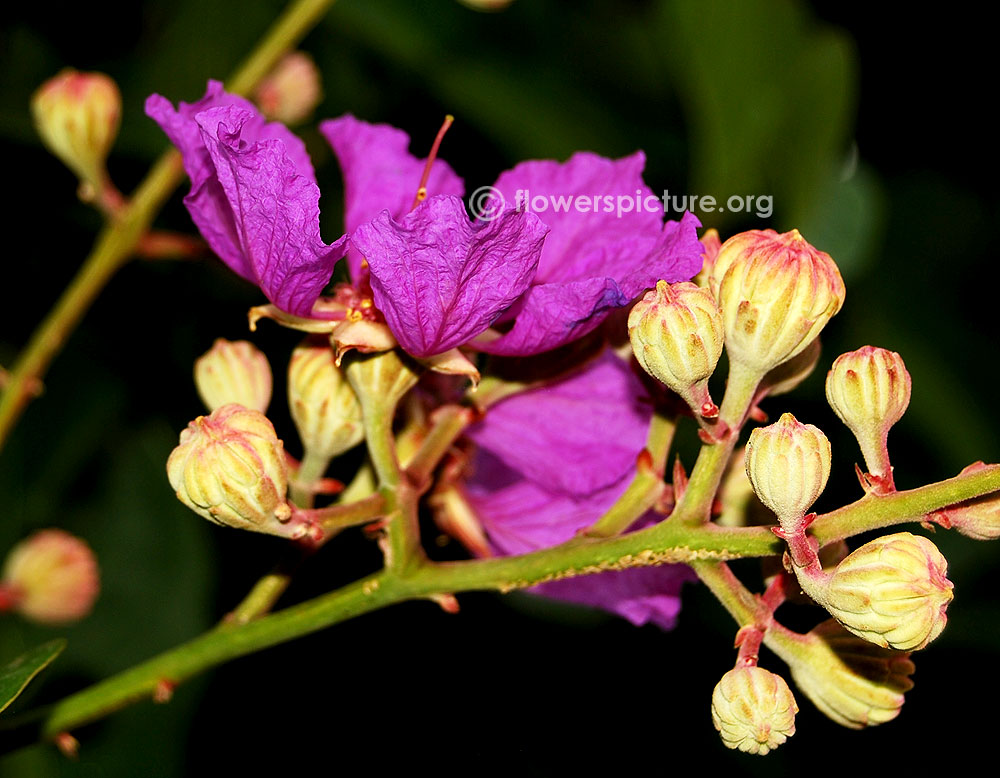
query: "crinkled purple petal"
380, 173
520, 516
439, 279
573, 437
273, 226
555, 313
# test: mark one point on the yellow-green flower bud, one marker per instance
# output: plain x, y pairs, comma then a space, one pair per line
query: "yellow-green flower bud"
788, 464
230, 468
854, 682
892, 591
77, 116
869, 389
290, 93
677, 335
51, 578
776, 292
753, 710
233, 372
325, 408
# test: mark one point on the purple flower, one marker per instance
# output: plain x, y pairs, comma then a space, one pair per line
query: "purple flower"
253, 195
438, 278
595, 259
551, 461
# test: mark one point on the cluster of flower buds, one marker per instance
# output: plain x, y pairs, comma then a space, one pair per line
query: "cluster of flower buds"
892, 591
753, 709
51, 578
234, 372
77, 116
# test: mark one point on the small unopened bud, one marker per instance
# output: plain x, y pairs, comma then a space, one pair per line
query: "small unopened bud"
978, 519
776, 292
230, 468
51, 577
869, 389
788, 464
753, 709
676, 333
77, 116
892, 591
233, 372
854, 682
290, 92
324, 407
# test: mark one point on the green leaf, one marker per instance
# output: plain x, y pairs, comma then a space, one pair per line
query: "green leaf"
15, 676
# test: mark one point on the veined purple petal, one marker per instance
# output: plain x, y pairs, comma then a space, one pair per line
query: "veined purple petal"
380, 173
608, 243
520, 516
440, 279
552, 314
273, 207
573, 437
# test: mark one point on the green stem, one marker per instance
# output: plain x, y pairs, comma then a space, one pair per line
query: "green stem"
118, 240
728, 590
695, 506
665, 542
449, 422
311, 469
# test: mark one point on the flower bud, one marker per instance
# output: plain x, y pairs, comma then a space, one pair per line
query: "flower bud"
753, 710
51, 577
710, 252
290, 93
978, 519
233, 372
230, 468
776, 292
788, 464
324, 407
77, 116
676, 333
852, 681
892, 592
869, 390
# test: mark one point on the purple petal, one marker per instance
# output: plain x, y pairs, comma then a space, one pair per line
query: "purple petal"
552, 314
576, 436
520, 516
380, 173
272, 236
440, 279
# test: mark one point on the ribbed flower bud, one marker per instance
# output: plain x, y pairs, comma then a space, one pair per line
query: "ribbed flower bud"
753, 710
788, 464
869, 389
77, 116
326, 411
51, 577
978, 519
677, 336
233, 372
230, 468
892, 591
776, 292
854, 682
290, 93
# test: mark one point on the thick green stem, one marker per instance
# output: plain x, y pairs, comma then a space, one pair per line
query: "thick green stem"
117, 242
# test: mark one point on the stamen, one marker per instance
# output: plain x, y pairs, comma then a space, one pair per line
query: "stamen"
422, 189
